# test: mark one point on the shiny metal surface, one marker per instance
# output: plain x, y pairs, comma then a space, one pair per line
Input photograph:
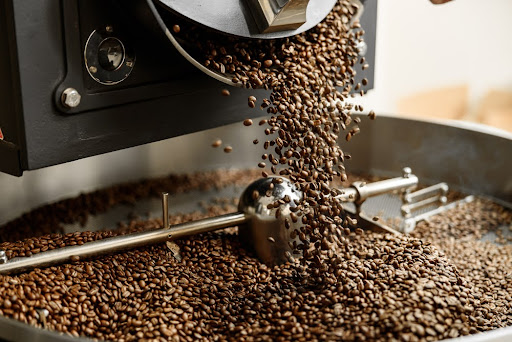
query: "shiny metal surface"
234, 17
441, 188
198, 8
256, 222
108, 59
365, 190
165, 209
70, 98
118, 243
470, 157
3, 257
261, 229
265, 234
409, 223
278, 15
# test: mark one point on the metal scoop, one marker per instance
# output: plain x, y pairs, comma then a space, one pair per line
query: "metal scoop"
259, 228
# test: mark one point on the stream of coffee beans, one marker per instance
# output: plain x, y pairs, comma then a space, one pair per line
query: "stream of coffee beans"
349, 284
441, 282
309, 75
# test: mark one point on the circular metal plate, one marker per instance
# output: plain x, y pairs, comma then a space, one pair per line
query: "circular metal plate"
234, 17
108, 59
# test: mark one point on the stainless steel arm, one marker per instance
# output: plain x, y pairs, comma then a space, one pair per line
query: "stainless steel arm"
358, 192
122, 242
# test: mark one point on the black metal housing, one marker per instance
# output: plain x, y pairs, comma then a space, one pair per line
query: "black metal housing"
42, 53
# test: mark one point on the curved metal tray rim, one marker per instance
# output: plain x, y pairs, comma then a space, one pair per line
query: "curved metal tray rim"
466, 125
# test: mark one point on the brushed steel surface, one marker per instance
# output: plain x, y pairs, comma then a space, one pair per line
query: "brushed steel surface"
234, 17
469, 157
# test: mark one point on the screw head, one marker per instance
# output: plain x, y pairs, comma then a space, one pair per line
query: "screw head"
406, 172
70, 98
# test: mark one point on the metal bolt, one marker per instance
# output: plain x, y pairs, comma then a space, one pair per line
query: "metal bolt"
70, 98
3, 257
109, 29
362, 48
93, 69
165, 209
406, 172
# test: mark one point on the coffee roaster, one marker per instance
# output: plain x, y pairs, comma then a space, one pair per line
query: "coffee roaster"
82, 78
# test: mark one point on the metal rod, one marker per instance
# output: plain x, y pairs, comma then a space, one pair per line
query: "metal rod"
441, 188
359, 191
409, 224
367, 222
407, 209
122, 242
467, 199
165, 209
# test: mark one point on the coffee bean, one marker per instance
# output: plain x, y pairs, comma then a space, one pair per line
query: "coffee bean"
216, 143
388, 287
368, 274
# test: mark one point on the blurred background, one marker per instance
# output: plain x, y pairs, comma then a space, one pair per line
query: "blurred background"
443, 62
450, 61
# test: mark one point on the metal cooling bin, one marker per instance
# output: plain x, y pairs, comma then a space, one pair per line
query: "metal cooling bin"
469, 157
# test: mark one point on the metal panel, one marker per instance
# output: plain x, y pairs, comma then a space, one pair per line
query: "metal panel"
10, 101
473, 158
147, 107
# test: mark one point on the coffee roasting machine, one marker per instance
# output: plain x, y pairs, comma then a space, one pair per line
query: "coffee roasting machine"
80, 78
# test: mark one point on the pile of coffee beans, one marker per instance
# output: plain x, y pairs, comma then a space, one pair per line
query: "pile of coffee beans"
349, 284
441, 282
462, 234
309, 76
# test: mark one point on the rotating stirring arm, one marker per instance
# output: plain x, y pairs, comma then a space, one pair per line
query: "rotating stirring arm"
250, 218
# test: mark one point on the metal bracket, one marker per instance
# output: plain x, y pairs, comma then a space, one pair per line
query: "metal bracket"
408, 224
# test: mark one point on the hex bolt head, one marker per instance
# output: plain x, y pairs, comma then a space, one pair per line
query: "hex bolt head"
70, 98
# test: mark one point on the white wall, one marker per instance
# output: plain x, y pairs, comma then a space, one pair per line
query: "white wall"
419, 46
422, 46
